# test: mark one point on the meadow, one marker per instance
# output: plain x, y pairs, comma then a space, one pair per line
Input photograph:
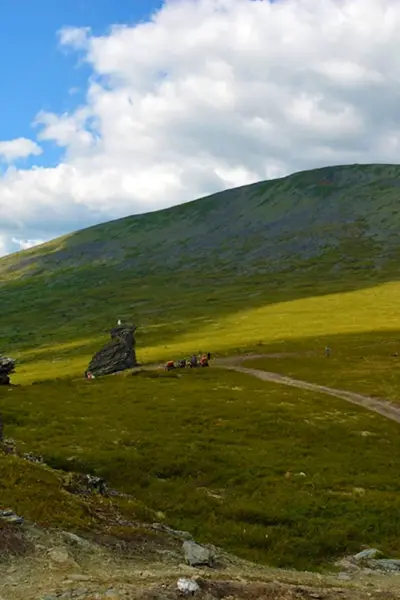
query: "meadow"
275, 475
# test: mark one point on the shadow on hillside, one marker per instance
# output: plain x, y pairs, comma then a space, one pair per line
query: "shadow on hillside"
84, 305
171, 272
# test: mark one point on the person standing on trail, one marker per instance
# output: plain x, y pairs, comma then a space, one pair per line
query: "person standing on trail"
204, 361
327, 351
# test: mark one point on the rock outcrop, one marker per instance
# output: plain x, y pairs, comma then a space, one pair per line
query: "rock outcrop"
118, 355
197, 555
7, 367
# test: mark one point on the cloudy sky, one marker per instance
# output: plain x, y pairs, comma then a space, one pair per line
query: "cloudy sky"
113, 108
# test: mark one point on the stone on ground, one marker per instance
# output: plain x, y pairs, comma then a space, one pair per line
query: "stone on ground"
118, 355
197, 555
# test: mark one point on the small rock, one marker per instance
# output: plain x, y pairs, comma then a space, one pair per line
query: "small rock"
33, 458
78, 577
385, 564
59, 555
344, 577
187, 586
196, 555
367, 554
8, 516
112, 595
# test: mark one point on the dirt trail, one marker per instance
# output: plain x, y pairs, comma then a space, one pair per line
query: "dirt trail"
383, 407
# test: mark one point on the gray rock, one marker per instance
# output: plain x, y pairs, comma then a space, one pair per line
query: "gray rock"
367, 554
7, 366
187, 586
118, 355
8, 516
385, 564
197, 555
84, 484
59, 555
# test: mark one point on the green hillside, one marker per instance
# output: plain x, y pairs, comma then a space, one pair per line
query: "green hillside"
212, 272
281, 266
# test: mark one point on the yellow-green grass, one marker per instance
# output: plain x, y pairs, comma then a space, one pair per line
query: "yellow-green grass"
232, 325
221, 454
367, 363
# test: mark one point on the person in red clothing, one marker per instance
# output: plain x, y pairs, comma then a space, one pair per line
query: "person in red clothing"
204, 361
170, 365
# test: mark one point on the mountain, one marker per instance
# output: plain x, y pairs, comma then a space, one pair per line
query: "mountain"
316, 232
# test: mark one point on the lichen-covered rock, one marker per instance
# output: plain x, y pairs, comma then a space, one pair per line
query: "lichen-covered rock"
118, 355
83, 484
367, 554
197, 555
7, 367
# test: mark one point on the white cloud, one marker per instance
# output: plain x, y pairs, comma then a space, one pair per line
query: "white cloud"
11, 150
209, 94
25, 244
75, 37
3, 245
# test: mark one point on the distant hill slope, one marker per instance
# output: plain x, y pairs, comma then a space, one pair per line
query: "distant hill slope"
338, 224
256, 228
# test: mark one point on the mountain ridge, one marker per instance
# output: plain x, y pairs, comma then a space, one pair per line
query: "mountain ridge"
264, 210
201, 265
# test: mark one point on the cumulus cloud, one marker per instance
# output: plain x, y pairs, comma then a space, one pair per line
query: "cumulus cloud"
25, 244
11, 150
3, 246
210, 94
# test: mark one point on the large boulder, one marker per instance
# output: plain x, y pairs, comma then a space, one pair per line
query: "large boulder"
118, 355
7, 366
197, 555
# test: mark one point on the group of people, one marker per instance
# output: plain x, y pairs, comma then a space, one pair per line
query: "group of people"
190, 363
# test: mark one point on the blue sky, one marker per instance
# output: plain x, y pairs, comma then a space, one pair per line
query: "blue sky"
36, 74
252, 90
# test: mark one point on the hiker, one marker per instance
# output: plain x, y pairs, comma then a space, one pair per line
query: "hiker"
327, 351
193, 362
170, 365
204, 361
181, 363
208, 355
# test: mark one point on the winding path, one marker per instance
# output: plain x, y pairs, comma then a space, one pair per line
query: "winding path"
382, 407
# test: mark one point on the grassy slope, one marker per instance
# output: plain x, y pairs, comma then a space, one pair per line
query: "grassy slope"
261, 263
275, 266
365, 363
186, 446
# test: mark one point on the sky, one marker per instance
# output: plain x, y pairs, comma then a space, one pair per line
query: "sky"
115, 108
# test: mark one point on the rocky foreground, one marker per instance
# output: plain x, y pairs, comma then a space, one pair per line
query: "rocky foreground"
155, 563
